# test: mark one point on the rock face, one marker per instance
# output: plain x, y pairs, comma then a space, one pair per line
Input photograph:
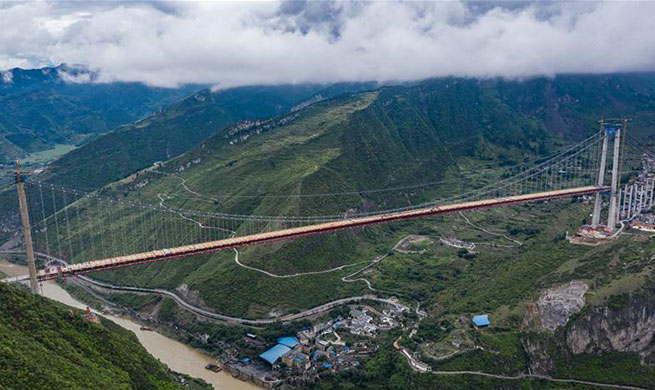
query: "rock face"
628, 329
601, 329
540, 362
556, 305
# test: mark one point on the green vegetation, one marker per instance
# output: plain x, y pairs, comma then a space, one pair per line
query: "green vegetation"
176, 129
134, 301
38, 110
464, 133
389, 371
45, 345
501, 354
48, 155
610, 367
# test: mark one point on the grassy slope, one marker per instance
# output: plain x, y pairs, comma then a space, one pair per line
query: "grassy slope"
176, 129
164, 135
45, 346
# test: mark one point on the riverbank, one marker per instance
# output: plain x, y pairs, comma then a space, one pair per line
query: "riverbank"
177, 356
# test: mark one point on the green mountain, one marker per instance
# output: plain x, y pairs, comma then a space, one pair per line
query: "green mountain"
180, 126
40, 108
45, 345
448, 129
462, 133
391, 137
571, 105
567, 106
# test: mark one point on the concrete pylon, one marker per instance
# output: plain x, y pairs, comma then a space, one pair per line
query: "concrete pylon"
595, 221
611, 219
27, 231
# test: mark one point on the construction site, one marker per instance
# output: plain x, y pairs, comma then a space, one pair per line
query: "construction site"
631, 197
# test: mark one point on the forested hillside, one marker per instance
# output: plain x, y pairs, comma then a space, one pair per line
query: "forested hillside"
567, 106
45, 346
571, 105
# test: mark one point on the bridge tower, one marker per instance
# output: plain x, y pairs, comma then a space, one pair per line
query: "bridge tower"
27, 232
595, 221
615, 127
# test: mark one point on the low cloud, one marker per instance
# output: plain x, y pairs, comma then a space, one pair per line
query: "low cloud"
229, 44
7, 77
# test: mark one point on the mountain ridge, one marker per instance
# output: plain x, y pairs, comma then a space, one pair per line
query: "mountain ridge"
40, 108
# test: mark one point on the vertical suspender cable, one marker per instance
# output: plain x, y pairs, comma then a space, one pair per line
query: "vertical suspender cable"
45, 226
79, 222
112, 227
55, 212
68, 228
92, 245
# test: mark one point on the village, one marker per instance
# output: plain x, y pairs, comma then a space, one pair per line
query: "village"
334, 345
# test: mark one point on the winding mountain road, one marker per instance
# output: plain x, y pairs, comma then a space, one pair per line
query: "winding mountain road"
207, 314
542, 377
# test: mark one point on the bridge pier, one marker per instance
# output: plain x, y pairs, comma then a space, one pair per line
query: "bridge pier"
595, 221
27, 231
612, 218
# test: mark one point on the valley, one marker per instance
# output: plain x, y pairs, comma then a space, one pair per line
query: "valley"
362, 153
40, 108
327, 195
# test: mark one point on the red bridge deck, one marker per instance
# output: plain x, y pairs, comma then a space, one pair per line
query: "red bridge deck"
286, 234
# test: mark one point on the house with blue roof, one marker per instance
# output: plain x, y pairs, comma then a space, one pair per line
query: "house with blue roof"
274, 354
481, 321
284, 345
288, 341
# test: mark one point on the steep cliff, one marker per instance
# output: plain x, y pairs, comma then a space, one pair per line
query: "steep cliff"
630, 328
561, 341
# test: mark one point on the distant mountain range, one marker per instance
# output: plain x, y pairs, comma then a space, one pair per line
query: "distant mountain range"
62, 105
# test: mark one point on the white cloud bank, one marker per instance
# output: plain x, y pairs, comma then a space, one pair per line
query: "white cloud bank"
230, 44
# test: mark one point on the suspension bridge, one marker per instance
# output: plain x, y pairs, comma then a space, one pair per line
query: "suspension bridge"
103, 230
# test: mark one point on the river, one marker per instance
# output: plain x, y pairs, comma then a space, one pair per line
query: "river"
179, 357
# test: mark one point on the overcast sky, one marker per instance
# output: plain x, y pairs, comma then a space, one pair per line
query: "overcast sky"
230, 44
